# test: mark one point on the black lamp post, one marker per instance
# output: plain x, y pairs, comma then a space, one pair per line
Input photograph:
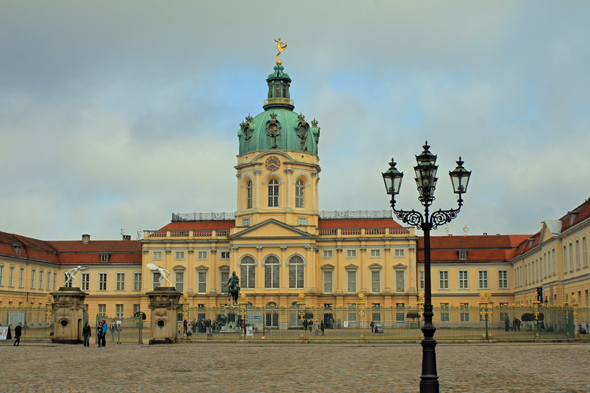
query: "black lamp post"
426, 181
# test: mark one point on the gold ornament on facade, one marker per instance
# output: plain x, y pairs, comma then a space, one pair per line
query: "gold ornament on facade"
280, 47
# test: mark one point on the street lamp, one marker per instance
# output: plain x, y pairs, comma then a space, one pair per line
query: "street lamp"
426, 180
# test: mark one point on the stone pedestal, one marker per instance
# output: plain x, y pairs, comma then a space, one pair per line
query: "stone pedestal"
164, 305
68, 315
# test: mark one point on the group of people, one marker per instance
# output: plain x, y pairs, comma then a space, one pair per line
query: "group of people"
515, 324
101, 332
202, 325
317, 326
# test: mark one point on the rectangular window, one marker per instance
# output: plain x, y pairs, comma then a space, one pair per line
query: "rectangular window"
54, 280
464, 312
224, 254
400, 281
375, 281
248, 275
136, 309
202, 255
483, 279
202, 284
350, 253
301, 221
119, 311
553, 262
545, 265
462, 254
443, 279
102, 309
577, 254
11, 276
245, 222
104, 257
351, 281
541, 268
1, 274
41, 279
571, 250
296, 275
328, 278
584, 253
179, 255
120, 285
564, 259
444, 313
421, 279
399, 253
102, 281
328, 254
271, 274
375, 253
85, 281
33, 271
224, 277
179, 281
137, 281
49, 279
503, 279
400, 315
156, 255
155, 280
273, 193
463, 279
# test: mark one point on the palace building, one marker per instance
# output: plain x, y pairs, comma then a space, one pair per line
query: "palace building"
281, 244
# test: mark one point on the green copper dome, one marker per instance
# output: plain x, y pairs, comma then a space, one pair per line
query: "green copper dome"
278, 127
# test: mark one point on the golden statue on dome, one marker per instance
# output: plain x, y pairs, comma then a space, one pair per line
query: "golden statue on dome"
280, 47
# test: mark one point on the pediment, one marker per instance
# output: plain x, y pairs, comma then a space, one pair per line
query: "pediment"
271, 229
400, 266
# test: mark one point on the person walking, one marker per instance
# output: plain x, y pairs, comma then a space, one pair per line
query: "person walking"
507, 323
18, 330
322, 326
316, 327
99, 333
86, 332
305, 325
112, 332
372, 326
185, 323
105, 329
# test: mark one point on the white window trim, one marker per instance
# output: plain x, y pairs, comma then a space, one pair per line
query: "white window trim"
459, 280
157, 255
355, 254
200, 258
507, 287
448, 279
378, 252
327, 257
106, 282
356, 281
199, 282
401, 251
179, 258
380, 280
487, 279
117, 281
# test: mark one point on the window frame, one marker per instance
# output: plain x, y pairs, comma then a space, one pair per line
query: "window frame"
296, 272
85, 281
100, 288
273, 193
463, 281
248, 280
136, 282
503, 281
120, 281
299, 194
443, 282
486, 279
202, 284
157, 255
376, 251
351, 254
272, 272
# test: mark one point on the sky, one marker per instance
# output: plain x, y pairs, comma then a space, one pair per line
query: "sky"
115, 114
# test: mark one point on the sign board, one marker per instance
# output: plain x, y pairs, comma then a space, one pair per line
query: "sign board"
249, 331
118, 322
345, 324
3, 332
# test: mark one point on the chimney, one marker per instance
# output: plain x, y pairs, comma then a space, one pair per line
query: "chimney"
126, 237
85, 238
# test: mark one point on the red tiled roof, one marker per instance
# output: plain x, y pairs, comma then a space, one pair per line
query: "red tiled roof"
583, 213
104, 246
479, 248
360, 223
199, 225
120, 251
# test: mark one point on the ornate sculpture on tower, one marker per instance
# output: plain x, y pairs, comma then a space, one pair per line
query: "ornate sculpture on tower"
280, 47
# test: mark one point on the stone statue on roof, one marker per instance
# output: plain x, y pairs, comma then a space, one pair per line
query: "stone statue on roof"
71, 276
465, 230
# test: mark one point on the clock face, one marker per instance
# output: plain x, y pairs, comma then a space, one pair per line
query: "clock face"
272, 163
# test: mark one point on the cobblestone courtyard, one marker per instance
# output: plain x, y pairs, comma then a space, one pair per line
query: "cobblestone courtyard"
514, 367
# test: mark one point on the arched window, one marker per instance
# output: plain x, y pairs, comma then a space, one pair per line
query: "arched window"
296, 272
273, 193
249, 190
248, 273
271, 318
299, 188
271, 272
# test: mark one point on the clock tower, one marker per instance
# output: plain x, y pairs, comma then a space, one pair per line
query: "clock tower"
278, 164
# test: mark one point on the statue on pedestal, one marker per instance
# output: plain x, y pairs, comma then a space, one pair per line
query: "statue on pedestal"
71, 276
233, 288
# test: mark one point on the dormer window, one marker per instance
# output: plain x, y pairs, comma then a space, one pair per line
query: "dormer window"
17, 250
462, 254
104, 257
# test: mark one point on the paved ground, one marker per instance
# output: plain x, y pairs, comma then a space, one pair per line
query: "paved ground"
497, 367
